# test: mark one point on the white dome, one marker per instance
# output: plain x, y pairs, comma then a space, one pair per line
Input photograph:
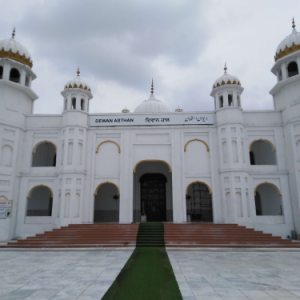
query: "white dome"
152, 105
10, 48
77, 82
288, 45
226, 79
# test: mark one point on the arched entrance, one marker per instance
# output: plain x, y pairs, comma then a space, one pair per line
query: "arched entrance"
153, 197
152, 191
106, 208
39, 203
268, 200
199, 202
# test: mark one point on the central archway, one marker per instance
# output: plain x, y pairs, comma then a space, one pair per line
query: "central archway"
152, 191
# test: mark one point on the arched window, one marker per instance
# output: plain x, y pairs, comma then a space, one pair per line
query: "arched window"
268, 200
221, 103
262, 152
39, 202
1, 72
14, 75
199, 202
73, 103
292, 69
82, 104
230, 100
279, 75
106, 208
27, 81
44, 155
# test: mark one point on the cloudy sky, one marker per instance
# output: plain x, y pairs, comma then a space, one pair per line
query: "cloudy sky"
120, 45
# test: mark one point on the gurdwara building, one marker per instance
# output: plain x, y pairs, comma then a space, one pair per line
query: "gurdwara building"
153, 164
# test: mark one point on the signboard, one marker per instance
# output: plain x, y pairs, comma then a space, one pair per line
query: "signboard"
151, 119
5, 209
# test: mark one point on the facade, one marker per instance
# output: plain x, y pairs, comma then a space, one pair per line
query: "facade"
222, 166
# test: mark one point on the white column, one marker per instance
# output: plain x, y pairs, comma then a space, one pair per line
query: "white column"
126, 180
284, 70
179, 205
6, 70
23, 77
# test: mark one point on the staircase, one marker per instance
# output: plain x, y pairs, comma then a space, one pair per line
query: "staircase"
150, 235
153, 235
221, 235
82, 235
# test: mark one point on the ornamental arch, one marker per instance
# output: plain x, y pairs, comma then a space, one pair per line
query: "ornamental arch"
44, 154
199, 202
268, 200
39, 201
262, 152
107, 203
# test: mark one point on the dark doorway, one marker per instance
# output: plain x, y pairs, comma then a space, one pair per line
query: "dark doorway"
199, 203
153, 197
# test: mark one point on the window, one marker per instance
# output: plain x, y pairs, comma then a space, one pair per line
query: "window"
40, 202
268, 201
82, 104
292, 69
14, 75
1, 72
230, 100
44, 155
221, 101
66, 104
73, 103
27, 81
262, 152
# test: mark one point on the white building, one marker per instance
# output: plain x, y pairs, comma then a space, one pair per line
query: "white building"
179, 166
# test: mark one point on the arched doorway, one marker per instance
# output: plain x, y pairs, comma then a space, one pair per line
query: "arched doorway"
39, 204
268, 200
199, 202
152, 191
262, 152
106, 208
153, 197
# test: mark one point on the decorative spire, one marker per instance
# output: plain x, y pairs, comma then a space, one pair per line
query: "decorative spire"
225, 69
13, 33
293, 26
78, 72
152, 87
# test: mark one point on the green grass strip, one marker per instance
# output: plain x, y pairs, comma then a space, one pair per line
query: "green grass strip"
148, 274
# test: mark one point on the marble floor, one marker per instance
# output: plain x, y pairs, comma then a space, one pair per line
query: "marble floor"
237, 275
86, 275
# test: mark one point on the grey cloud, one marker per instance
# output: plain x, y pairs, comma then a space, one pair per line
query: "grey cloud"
115, 40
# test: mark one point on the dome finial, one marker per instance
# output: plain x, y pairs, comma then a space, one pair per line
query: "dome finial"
225, 69
152, 87
13, 33
78, 71
293, 26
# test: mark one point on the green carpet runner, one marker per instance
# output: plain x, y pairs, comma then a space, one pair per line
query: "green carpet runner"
148, 274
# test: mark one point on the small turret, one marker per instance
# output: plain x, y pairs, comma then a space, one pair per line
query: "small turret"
227, 91
77, 94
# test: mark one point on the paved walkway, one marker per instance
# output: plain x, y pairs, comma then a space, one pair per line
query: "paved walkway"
82, 275
205, 275
237, 275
